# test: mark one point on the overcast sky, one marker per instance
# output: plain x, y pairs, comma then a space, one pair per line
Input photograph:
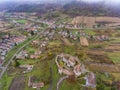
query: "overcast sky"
109, 1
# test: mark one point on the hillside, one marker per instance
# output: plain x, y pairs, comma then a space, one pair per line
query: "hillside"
71, 8
90, 9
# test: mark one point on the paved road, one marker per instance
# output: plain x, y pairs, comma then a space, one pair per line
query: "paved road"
6, 66
60, 81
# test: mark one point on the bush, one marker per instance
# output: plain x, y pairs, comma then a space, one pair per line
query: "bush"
81, 55
15, 63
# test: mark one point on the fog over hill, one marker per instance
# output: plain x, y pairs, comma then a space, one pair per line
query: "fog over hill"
64, 1
70, 7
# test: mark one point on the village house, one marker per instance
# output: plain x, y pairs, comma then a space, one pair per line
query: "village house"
33, 56
90, 80
101, 37
33, 84
78, 70
43, 43
36, 55
19, 39
28, 68
74, 67
71, 65
22, 55
8, 42
35, 42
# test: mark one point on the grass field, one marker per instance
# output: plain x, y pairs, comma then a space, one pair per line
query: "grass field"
22, 21
28, 61
115, 57
89, 32
116, 76
30, 49
5, 82
71, 86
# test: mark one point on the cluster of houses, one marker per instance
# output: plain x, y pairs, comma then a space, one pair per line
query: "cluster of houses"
4, 25
20, 15
22, 55
50, 23
7, 43
49, 34
28, 26
33, 84
101, 37
70, 65
27, 68
68, 34
78, 36
35, 55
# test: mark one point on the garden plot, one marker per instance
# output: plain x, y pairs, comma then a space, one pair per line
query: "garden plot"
113, 48
66, 42
18, 83
84, 41
115, 57
14, 71
103, 67
98, 57
117, 35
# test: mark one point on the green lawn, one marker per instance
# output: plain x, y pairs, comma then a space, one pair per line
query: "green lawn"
89, 32
115, 57
71, 86
70, 50
56, 75
117, 40
31, 49
27, 61
116, 76
22, 21
5, 82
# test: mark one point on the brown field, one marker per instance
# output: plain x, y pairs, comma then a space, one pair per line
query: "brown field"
98, 56
117, 35
84, 41
113, 47
66, 42
103, 67
90, 21
18, 83
13, 70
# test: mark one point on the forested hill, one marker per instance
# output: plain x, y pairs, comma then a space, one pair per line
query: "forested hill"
73, 8
91, 9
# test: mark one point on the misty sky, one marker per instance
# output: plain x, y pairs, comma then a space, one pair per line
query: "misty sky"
109, 1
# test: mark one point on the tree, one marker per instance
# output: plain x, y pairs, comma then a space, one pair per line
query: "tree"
113, 88
15, 63
81, 55
32, 33
101, 86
